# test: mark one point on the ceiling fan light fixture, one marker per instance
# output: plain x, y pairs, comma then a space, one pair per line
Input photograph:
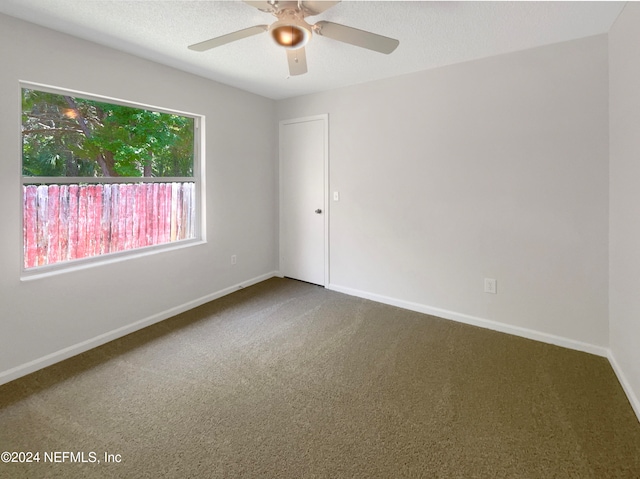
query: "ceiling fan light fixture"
291, 33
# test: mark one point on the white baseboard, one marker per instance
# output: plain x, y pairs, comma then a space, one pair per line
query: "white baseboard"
49, 359
477, 321
633, 399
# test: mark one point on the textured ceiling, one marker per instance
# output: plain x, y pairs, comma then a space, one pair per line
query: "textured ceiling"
431, 34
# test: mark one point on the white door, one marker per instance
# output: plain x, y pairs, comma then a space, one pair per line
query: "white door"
303, 202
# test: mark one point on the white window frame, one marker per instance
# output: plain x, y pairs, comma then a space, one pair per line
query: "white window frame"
107, 258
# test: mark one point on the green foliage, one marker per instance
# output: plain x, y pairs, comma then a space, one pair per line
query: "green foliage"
68, 136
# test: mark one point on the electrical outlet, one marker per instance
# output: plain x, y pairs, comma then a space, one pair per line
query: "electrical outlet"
490, 286
234, 259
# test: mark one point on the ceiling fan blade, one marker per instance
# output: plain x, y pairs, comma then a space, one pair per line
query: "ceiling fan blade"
359, 38
228, 38
314, 7
297, 61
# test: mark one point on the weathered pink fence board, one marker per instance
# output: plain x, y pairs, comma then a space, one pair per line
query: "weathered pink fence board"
64, 222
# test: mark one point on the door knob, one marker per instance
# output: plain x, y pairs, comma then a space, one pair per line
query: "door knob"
318, 211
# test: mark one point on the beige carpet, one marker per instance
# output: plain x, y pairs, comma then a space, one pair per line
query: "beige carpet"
288, 380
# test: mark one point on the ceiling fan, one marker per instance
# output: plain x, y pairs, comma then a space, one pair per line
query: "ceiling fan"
292, 32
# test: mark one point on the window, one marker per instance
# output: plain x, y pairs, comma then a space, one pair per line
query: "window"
102, 177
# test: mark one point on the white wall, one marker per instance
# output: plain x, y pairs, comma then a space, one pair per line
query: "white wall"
624, 213
69, 311
492, 168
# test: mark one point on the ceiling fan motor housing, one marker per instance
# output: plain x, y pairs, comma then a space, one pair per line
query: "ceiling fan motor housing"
290, 31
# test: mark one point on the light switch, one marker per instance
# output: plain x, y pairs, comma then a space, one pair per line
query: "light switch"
336, 196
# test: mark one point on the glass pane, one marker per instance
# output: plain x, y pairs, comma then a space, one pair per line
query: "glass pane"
75, 137
75, 221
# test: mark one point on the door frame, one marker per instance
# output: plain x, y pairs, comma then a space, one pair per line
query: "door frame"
325, 119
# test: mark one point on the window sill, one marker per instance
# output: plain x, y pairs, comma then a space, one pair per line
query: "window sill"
41, 272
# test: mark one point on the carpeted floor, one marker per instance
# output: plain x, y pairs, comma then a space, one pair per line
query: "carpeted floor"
289, 380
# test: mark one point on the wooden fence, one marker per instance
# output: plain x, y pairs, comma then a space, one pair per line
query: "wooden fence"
65, 222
